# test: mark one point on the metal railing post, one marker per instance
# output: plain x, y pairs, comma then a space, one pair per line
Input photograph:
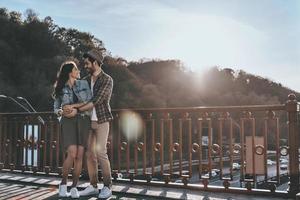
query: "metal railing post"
293, 135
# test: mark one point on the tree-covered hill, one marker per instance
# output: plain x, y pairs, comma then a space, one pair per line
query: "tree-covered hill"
32, 50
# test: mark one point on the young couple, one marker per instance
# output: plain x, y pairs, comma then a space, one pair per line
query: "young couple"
85, 110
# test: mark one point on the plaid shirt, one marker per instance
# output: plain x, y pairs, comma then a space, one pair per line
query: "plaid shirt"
102, 91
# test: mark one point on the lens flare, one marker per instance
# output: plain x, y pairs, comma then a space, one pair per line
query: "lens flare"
131, 125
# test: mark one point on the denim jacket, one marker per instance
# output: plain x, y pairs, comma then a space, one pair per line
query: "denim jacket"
82, 91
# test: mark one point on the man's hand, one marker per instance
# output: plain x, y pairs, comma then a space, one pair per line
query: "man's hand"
70, 113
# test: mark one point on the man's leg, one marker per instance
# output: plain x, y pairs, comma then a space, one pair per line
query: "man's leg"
102, 132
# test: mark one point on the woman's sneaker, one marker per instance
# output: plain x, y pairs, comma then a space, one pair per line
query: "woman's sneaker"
63, 191
89, 190
105, 193
74, 193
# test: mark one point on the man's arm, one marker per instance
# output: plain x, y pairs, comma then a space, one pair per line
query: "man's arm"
69, 108
87, 106
103, 93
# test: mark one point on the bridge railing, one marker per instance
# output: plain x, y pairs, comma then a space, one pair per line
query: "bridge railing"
228, 148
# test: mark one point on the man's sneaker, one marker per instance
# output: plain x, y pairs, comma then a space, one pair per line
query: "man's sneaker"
89, 190
63, 191
105, 193
74, 193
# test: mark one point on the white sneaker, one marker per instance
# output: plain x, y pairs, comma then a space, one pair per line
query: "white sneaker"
89, 190
74, 193
63, 191
105, 193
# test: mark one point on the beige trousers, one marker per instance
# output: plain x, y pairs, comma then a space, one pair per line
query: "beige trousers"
97, 152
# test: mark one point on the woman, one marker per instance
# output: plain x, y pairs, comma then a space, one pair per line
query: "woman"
74, 126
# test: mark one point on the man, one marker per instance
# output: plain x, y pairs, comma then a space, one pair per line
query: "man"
101, 86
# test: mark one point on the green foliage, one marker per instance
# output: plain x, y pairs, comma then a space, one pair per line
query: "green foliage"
32, 50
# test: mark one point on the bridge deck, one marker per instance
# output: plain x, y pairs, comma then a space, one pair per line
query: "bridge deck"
25, 186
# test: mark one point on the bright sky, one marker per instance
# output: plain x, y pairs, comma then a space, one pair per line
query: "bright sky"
258, 36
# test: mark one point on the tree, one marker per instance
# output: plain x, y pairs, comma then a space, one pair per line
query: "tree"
32, 51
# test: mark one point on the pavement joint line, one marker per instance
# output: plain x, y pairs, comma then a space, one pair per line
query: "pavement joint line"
26, 190
34, 182
149, 191
35, 191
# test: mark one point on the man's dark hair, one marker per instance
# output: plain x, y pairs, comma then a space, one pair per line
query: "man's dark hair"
89, 58
94, 55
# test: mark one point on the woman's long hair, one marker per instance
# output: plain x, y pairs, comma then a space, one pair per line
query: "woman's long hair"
62, 77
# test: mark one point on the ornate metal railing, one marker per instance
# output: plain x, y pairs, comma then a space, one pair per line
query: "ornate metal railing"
230, 148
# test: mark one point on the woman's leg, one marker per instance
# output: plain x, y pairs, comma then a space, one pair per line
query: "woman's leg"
92, 163
71, 155
77, 165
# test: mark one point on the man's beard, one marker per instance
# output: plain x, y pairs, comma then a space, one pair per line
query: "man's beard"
90, 71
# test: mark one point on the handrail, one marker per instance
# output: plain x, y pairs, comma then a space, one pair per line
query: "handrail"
274, 107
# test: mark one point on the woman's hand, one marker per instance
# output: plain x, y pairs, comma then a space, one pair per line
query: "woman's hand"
68, 109
59, 112
70, 113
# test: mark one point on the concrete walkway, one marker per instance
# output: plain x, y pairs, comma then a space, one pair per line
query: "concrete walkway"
19, 186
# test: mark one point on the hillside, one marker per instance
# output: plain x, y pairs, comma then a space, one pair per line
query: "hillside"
33, 49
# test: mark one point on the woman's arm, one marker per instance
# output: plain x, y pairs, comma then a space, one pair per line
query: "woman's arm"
57, 107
